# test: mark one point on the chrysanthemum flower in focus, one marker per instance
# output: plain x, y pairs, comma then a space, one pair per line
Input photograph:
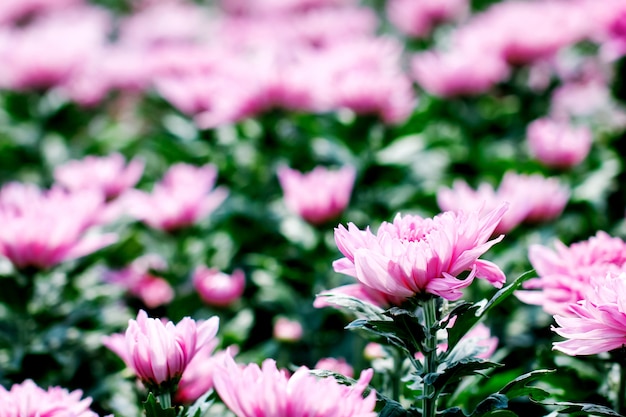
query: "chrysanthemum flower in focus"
597, 323
44, 228
417, 257
108, 174
266, 391
159, 352
183, 197
217, 288
564, 273
558, 144
27, 399
317, 196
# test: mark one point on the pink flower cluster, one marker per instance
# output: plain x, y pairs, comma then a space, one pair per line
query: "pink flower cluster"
159, 352
417, 257
597, 323
184, 196
27, 399
564, 274
266, 391
42, 228
531, 198
317, 196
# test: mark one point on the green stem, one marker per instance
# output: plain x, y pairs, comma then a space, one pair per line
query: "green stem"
429, 408
165, 400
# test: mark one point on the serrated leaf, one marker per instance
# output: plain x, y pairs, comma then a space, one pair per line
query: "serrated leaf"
201, 405
385, 329
394, 409
452, 412
458, 370
468, 316
154, 409
354, 305
591, 409
408, 328
519, 388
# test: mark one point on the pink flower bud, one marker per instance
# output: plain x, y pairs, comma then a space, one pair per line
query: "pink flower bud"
286, 330
217, 288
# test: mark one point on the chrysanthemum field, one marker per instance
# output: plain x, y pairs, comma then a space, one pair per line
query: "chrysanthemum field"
312, 208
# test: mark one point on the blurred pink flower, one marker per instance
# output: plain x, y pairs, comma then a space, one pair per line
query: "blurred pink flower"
317, 196
374, 351
108, 174
184, 196
531, 198
458, 72
217, 288
415, 256
265, 391
268, 7
558, 144
338, 365
419, 18
159, 352
564, 273
597, 323
287, 330
50, 50
138, 279
11, 11
44, 228
27, 399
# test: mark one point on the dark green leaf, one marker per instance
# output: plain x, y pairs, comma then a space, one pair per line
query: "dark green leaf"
518, 387
588, 409
489, 404
354, 305
456, 371
385, 329
468, 316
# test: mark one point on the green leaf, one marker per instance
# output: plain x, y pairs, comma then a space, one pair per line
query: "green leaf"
408, 328
489, 404
500, 413
458, 370
354, 305
154, 409
519, 388
383, 329
201, 405
394, 409
468, 315
590, 409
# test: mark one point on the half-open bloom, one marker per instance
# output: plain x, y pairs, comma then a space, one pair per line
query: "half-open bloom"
415, 256
598, 322
108, 174
28, 399
319, 195
159, 352
266, 391
564, 273
41, 229
184, 196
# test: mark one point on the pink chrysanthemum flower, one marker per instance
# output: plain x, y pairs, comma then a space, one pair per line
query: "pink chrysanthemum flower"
182, 198
564, 274
597, 323
44, 228
29, 400
217, 288
558, 144
159, 352
266, 391
415, 256
108, 174
317, 196
531, 198
198, 376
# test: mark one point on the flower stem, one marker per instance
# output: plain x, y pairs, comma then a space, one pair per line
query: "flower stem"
429, 408
165, 400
